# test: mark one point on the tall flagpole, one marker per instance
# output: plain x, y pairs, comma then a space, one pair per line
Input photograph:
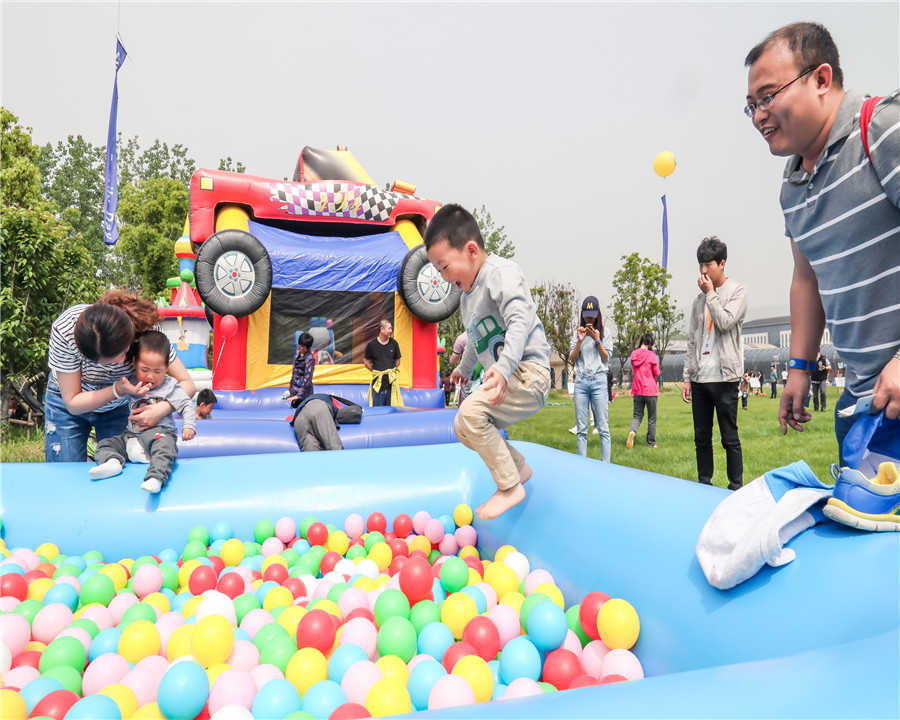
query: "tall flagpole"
665, 233
111, 194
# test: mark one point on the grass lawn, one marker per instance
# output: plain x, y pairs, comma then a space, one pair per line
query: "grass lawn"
764, 446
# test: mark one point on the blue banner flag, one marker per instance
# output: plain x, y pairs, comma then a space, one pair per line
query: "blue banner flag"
111, 196
665, 229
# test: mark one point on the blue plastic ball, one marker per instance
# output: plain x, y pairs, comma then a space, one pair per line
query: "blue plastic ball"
321, 699
448, 522
434, 639
422, 678
276, 699
94, 707
184, 690
62, 593
547, 625
221, 531
106, 641
342, 658
478, 596
519, 658
35, 691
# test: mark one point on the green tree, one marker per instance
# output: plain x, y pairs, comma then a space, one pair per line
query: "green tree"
157, 161
235, 166
557, 307
45, 265
641, 305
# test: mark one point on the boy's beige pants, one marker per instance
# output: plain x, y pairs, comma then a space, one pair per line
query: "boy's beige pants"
478, 423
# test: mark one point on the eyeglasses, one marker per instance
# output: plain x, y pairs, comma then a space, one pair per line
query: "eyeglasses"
766, 101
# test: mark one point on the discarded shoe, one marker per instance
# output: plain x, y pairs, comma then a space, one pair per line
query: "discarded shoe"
866, 504
629, 443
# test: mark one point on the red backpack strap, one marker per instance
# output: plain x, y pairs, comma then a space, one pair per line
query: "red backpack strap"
865, 117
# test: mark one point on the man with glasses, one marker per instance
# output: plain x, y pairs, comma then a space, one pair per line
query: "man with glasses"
840, 201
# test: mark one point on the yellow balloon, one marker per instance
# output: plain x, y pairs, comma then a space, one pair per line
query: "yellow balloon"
339, 542
123, 696
290, 619
150, 711
462, 515
38, 588
456, 611
278, 597
232, 552
381, 555
212, 640
14, 706
271, 560
47, 550
306, 667
388, 697
469, 550
420, 542
393, 667
552, 592
514, 599
117, 573
664, 164
474, 577
502, 552
179, 643
159, 601
138, 640
502, 578
618, 624
475, 671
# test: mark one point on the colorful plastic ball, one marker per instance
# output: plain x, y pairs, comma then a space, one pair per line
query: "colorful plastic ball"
388, 697
20, 676
263, 530
522, 687
138, 640
376, 522
477, 596
68, 677
434, 639
216, 603
323, 698
502, 578
623, 663
342, 658
587, 613
124, 697
455, 653
397, 636
362, 632
583, 681
49, 621
232, 552
63, 651
618, 624
454, 574
506, 619
354, 525
317, 534
462, 515
403, 525
434, 530
421, 679
316, 630
476, 672
94, 707
193, 550
419, 519
278, 698
466, 536
391, 603
547, 625
448, 545
97, 589
416, 580
424, 612
14, 707
203, 578
527, 604
456, 611
13, 585
62, 593
307, 667
359, 679
285, 529
235, 686
592, 656
350, 711
146, 580
212, 640
519, 658
450, 691
561, 667
574, 622
37, 690
482, 634
183, 690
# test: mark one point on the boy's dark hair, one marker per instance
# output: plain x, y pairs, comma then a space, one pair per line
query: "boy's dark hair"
306, 340
151, 341
811, 44
712, 249
206, 397
454, 224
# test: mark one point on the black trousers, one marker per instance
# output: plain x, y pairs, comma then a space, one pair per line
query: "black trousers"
817, 387
720, 398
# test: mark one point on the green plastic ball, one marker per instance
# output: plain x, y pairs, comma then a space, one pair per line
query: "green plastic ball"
424, 612
97, 589
263, 530
397, 636
63, 651
454, 574
391, 603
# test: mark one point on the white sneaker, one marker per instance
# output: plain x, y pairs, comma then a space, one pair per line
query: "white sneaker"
596, 431
573, 430
135, 451
108, 469
152, 485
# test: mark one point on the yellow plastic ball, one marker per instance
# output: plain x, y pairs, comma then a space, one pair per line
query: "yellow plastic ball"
47, 550
123, 696
664, 164
420, 542
150, 711
330, 607
552, 592
116, 573
393, 667
469, 551
306, 667
213, 671
502, 578
366, 584
14, 707
190, 607
127, 563
462, 515
232, 552
38, 588
35, 645
159, 601
382, 580
184, 573
338, 542
618, 624
502, 552
381, 555
272, 560
388, 697
514, 599
212, 640
290, 618
278, 597
474, 577
179, 643
456, 611
256, 584
475, 671
138, 640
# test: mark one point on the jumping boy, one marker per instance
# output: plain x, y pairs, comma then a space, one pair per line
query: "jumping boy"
506, 336
156, 445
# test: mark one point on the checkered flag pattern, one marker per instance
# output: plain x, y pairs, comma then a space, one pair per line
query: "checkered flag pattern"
338, 200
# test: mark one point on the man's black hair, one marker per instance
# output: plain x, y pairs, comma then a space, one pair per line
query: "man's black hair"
712, 249
811, 44
454, 224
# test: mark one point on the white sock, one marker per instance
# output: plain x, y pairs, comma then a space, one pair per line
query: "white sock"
152, 485
108, 469
135, 451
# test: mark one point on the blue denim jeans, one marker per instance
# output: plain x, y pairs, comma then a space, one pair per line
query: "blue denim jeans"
382, 398
66, 435
592, 391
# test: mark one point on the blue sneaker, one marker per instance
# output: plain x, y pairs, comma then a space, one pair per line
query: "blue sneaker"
866, 504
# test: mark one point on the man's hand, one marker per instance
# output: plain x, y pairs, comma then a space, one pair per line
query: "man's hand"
887, 390
793, 411
187, 434
704, 283
148, 416
459, 378
686, 392
495, 386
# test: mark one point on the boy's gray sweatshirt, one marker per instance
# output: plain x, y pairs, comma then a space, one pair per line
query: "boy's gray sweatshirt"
169, 391
501, 321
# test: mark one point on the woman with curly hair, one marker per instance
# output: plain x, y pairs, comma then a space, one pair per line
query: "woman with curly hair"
88, 352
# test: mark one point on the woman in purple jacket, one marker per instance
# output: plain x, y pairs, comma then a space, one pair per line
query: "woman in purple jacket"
644, 390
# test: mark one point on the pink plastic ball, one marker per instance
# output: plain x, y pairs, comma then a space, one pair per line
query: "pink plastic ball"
156, 664
448, 544
19, 677
490, 595
535, 578
50, 621
450, 691
358, 680
362, 632
351, 599
434, 530
16, 633
466, 536
233, 687
144, 683
119, 604
419, 521
507, 621
354, 526
285, 529
272, 546
8, 603
148, 579
622, 662
244, 655
80, 634
264, 673
572, 643
99, 615
70, 580
107, 669
522, 687
254, 620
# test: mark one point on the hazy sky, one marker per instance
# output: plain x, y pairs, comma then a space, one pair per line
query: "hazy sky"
549, 114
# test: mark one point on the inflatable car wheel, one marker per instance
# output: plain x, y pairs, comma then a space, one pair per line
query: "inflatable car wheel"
422, 288
233, 273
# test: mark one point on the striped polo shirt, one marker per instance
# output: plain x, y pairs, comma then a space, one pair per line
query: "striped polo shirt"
845, 220
64, 356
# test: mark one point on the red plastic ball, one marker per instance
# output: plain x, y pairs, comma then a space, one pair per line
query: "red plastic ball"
317, 534
316, 630
455, 653
436, 568
35, 574
349, 711
418, 553
202, 578
482, 634
276, 572
613, 678
583, 681
27, 658
217, 563
376, 523
55, 704
397, 565
296, 586
587, 613
403, 525
474, 563
399, 548
14, 585
561, 667
357, 541
231, 584
360, 612
389, 536
416, 579
329, 560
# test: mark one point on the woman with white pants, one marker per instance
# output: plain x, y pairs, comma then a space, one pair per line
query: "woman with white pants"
590, 356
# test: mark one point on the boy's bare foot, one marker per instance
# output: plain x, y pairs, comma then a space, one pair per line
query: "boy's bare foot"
500, 502
525, 474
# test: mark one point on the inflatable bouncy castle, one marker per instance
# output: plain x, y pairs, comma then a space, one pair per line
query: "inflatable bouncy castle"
328, 250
